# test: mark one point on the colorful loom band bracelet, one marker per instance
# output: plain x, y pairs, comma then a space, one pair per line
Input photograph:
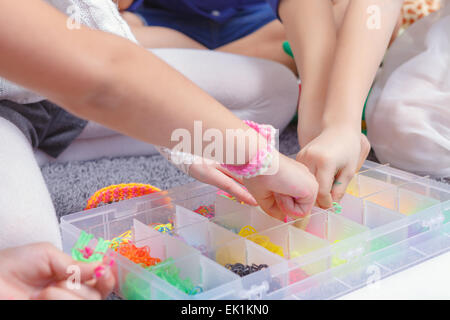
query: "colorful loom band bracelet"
119, 192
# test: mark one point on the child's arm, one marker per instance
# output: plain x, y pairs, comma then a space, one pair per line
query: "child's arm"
311, 31
332, 99
363, 40
112, 81
123, 4
101, 77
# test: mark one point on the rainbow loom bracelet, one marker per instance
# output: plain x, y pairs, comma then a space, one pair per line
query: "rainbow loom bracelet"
119, 192
261, 162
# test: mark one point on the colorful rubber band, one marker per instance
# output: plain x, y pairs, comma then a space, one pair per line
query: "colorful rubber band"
82, 252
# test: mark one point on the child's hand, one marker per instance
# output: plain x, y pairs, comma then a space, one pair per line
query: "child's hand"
334, 157
292, 190
213, 173
40, 271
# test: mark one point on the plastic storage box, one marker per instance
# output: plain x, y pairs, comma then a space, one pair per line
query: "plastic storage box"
390, 220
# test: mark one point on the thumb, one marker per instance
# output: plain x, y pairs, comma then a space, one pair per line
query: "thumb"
294, 207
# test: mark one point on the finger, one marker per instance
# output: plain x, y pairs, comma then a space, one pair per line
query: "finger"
81, 290
229, 174
302, 194
341, 182
285, 205
230, 186
312, 169
272, 208
325, 178
55, 293
105, 282
61, 266
303, 222
293, 207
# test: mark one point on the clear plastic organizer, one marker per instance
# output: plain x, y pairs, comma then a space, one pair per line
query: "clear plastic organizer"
390, 220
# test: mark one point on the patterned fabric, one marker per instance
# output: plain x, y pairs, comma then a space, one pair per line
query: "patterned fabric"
414, 10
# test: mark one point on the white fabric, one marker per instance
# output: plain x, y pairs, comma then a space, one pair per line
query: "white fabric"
253, 89
27, 214
408, 112
96, 14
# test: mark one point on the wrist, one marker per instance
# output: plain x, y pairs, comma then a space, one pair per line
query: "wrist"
339, 127
309, 120
342, 116
306, 132
272, 168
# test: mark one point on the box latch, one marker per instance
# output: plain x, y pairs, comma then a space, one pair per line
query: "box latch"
255, 292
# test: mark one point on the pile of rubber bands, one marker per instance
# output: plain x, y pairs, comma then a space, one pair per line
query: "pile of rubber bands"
163, 228
139, 255
166, 270
250, 233
206, 211
170, 273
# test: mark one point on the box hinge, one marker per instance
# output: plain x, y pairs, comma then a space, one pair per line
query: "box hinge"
353, 254
434, 223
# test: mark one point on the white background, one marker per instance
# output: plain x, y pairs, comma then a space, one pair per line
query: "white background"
427, 280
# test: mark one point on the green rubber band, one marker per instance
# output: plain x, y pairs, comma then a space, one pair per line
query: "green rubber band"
100, 250
81, 244
337, 207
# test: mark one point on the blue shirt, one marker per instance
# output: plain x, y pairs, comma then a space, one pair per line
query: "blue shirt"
216, 10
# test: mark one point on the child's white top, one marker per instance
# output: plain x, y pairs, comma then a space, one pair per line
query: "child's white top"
97, 14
